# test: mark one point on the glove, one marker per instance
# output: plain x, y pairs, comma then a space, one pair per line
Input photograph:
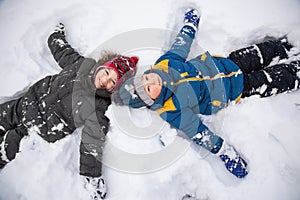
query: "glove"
60, 28
233, 162
96, 186
192, 18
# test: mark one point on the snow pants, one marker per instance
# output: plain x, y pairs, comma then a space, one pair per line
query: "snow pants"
259, 77
11, 131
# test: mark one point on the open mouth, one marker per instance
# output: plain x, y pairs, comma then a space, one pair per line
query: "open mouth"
99, 84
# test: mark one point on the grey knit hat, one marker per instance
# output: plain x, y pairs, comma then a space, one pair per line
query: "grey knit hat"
140, 91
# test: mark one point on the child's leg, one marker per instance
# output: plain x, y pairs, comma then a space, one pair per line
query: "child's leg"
272, 80
181, 46
10, 115
10, 143
183, 41
258, 56
11, 132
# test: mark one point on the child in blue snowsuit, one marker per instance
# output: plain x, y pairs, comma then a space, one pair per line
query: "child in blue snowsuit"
179, 90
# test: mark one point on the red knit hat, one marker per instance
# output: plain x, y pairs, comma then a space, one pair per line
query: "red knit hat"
124, 66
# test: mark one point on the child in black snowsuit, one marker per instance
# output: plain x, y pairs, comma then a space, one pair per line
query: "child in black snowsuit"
180, 89
58, 104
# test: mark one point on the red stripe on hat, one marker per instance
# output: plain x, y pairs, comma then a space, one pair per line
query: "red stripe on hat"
123, 60
131, 65
112, 66
119, 66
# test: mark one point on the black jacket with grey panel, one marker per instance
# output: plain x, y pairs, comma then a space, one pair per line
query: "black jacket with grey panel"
60, 103
74, 100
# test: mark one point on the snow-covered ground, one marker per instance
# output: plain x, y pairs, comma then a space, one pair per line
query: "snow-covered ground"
136, 166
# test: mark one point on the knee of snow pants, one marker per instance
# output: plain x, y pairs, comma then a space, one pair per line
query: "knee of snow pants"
259, 56
10, 143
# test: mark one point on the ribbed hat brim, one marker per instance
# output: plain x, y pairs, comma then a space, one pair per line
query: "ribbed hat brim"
140, 91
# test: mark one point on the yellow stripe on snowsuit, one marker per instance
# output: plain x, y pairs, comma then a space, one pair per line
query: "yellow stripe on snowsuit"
221, 75
218, 55
216, 103
184, 74
203, 57
162, 65
238, 98
168, 106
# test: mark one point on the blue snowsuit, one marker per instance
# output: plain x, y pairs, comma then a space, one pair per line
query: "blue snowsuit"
203, 85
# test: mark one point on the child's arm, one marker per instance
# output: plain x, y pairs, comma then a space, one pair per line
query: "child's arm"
62, 52
91, 146
182, 44
188, 122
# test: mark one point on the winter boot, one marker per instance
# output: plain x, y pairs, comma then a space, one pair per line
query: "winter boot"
280, 41
96, 186
285, 43
234, 163
192, 18
295, 65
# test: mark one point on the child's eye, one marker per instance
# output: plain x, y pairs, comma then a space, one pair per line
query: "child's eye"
106, 72
146, 77
113, 82
148, 88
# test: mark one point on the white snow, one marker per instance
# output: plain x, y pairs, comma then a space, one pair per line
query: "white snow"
259, 53
59, 127
136, 165
2, 151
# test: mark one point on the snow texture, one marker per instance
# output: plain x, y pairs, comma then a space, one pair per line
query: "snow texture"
265, 131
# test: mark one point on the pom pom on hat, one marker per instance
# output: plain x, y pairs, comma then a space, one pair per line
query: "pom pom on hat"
134, 59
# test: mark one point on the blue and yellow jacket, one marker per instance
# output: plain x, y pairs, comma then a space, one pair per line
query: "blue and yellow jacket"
202, 85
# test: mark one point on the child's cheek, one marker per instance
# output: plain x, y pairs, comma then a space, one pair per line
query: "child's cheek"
156, 92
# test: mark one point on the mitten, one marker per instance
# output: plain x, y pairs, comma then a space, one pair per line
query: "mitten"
96, 186
233, 161
192, 18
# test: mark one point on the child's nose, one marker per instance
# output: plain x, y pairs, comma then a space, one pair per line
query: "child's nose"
104, 80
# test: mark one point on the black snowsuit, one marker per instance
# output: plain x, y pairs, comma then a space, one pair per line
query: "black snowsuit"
261, 78
57, 105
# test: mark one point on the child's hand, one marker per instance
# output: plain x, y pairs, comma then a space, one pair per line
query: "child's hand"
96, 186
60, 28
192, 18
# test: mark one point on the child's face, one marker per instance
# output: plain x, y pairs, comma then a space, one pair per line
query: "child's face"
152, 85
106, 78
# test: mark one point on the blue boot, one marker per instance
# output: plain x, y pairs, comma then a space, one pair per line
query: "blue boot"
192, 18
234, 163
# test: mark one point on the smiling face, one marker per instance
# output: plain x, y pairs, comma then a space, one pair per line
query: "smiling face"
152, 85
106, 78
